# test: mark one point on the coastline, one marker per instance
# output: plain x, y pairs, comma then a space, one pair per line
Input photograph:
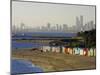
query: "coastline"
50, 62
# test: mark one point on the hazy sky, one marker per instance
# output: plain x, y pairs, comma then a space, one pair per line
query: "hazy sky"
38, 14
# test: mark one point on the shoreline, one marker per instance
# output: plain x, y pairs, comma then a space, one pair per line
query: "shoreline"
33, 65
36, 65
50, 62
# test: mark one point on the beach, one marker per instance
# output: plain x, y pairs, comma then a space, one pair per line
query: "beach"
51, 61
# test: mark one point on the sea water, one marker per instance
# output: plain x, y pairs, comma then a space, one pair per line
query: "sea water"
19, 66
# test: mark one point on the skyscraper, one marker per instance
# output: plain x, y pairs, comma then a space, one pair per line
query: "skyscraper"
81, 23
92, 25
22, 28
48, 26
65, 27
57, 27
77, 24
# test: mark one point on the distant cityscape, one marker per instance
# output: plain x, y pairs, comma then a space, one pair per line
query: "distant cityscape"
79, 26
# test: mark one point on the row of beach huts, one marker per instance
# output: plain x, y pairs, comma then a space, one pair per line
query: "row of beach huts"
68, 50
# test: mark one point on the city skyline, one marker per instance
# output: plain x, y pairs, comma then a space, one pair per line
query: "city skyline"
39, 14
78, 27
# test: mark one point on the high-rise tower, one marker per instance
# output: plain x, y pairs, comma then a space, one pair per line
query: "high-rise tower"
22, 28
81, 22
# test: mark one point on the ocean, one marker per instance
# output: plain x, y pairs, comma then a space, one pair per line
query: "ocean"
20, 66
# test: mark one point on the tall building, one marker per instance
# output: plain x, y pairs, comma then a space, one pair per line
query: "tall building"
81, 23
92, 25
57, 27
65, 27
48, 26
43, 28
81, 20
22, 28
60, 28
88, 26
77, 24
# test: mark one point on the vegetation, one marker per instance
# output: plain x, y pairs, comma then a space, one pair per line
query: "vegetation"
89, 38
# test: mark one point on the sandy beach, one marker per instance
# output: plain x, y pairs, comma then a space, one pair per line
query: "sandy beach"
50, 61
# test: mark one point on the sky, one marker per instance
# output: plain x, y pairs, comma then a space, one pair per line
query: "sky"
35, 14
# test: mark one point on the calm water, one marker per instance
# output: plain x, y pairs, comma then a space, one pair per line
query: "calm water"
34, 35
23, 66
25, 45
54, 34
